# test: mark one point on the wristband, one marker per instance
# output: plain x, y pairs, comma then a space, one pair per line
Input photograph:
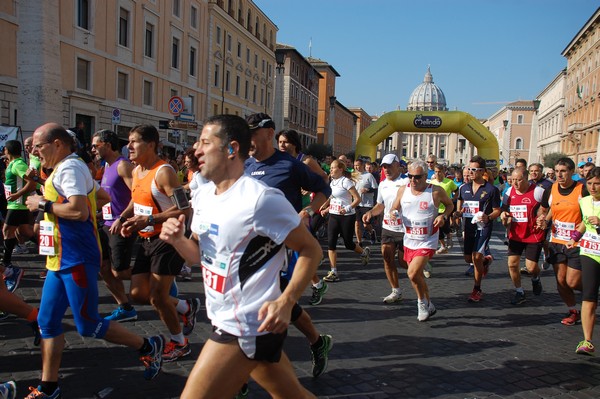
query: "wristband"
348, 208
45, 206
576, 235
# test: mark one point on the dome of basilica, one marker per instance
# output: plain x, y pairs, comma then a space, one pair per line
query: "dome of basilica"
427, 96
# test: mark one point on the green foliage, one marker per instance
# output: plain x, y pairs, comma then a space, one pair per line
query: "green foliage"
551, 158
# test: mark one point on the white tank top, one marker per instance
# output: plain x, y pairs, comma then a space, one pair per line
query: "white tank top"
418, 214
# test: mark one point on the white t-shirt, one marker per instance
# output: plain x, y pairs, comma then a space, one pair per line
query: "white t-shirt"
340, 196
418, 214
196, 182
366, 181
73, 177
241, 235
388, 189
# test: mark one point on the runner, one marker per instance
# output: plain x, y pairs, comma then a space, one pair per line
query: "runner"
69, 238
440, 179
244, 229
366, 186
418, 203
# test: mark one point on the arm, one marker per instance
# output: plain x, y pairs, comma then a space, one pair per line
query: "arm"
355, 202
75, 209
29, 187
102, 198
376, 210
440, 195
125, 171
276, 314
396, 204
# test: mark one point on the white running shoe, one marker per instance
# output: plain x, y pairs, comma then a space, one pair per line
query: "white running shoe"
427, 270
423, 311
393, 297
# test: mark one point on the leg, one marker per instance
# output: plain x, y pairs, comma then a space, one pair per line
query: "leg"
280, 380
415, 274
305, 325
389, 264
588, 319
565, 292
513, 269
163, 302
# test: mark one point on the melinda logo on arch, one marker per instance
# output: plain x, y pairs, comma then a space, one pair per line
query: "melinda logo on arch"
421, 121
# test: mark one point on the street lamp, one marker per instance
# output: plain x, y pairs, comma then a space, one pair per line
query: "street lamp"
278, 102
331, 133
505, 123
534, 135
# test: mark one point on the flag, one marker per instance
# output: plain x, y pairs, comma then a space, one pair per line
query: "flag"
579, 91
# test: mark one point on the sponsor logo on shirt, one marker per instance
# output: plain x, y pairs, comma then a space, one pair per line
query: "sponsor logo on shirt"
423, 205
214, 229
258, 173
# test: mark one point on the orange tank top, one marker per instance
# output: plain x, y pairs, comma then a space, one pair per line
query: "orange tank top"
566, 214
143, 193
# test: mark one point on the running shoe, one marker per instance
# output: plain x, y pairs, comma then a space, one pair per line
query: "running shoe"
36, 393
572, 318
449, 242
37, 335
318, 293
475, 296
174, 350
153, 361
393, 297
320, 355
186, 273
20, 250
14, 277
585, 348
518, 299
189, 318
4, 315
441, 250
537, 286
524, 270
120, 315
423, 311
8, 390
432, 310
43, 274
427, 270
331, 277
364, 257
470, 270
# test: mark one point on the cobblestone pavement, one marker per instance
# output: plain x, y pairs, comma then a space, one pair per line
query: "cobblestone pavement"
487, 350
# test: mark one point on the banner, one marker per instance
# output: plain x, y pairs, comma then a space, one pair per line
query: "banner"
8, 133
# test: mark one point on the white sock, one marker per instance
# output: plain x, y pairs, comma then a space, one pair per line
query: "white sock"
319, 284
334, 270
396, 290
182, 307
520, 290
179, 338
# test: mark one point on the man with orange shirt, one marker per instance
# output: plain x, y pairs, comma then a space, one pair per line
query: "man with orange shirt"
560, 205
156, 263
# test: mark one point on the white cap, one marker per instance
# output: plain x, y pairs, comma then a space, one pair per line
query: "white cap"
389, 159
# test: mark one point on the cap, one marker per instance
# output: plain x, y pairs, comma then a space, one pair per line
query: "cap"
403, 163
389, 159
581, 164
257, 121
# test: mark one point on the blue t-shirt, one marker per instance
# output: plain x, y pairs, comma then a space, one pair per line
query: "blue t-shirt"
286, 173
487, 195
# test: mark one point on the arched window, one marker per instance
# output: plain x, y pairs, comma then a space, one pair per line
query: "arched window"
519, 143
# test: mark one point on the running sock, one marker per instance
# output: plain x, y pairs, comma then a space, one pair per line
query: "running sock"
319, 285
334, 269
49, 387
396, 290
317, 343
9, 245
146, 347
423, 301
179, 338
182, 307
520, 290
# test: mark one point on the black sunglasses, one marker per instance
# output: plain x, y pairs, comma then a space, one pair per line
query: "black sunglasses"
416, 177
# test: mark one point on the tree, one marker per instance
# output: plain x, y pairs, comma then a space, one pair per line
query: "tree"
551, 158
318, 151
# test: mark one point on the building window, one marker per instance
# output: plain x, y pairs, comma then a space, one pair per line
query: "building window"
216, 75
519, 144
194, 17
83, 14
215, 109
176, 8
148, 47
123, 27
148, 93
218, 35
239, 50
248, 55
442, 153
229, 43
192, 109
255, 60
192, 61
123, 86
227, 74
175, 53
83, 74
520, 119
174, 93
246, 86
254, 94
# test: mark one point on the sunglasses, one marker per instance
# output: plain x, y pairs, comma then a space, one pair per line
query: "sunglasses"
260, 124
475, 169
416, 177
430, 162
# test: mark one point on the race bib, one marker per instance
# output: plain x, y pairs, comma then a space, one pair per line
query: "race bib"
563, 230
470, 208
107, 212
214, 272
519, 213
418, 230
142, 210
335, 206
46, 238
7, 191
391, 221
590, 244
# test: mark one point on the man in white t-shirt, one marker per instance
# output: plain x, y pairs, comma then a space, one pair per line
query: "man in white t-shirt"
366, 187
243, 228
392, 232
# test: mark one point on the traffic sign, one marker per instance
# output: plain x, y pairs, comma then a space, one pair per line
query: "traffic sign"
173, 124
175, 105
589, 159
186, 117
116, 116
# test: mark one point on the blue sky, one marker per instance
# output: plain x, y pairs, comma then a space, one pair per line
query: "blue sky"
482, 53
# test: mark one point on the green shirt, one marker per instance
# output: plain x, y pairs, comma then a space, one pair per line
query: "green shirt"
449, 187
14, 181
591, 249
34, 162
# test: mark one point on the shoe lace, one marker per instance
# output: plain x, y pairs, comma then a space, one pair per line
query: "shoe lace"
35, 393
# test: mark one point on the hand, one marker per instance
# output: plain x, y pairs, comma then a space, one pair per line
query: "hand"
276, 315
485, 218
324, 212
570, 244
173, 230
594, 220
367, 217
115, 228
33, 202
457, 214
439, 221
133, 224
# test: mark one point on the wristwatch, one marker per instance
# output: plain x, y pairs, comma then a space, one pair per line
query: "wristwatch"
151, 221
310, 211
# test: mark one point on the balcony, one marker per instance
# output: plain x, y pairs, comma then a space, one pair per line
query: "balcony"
573, 127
